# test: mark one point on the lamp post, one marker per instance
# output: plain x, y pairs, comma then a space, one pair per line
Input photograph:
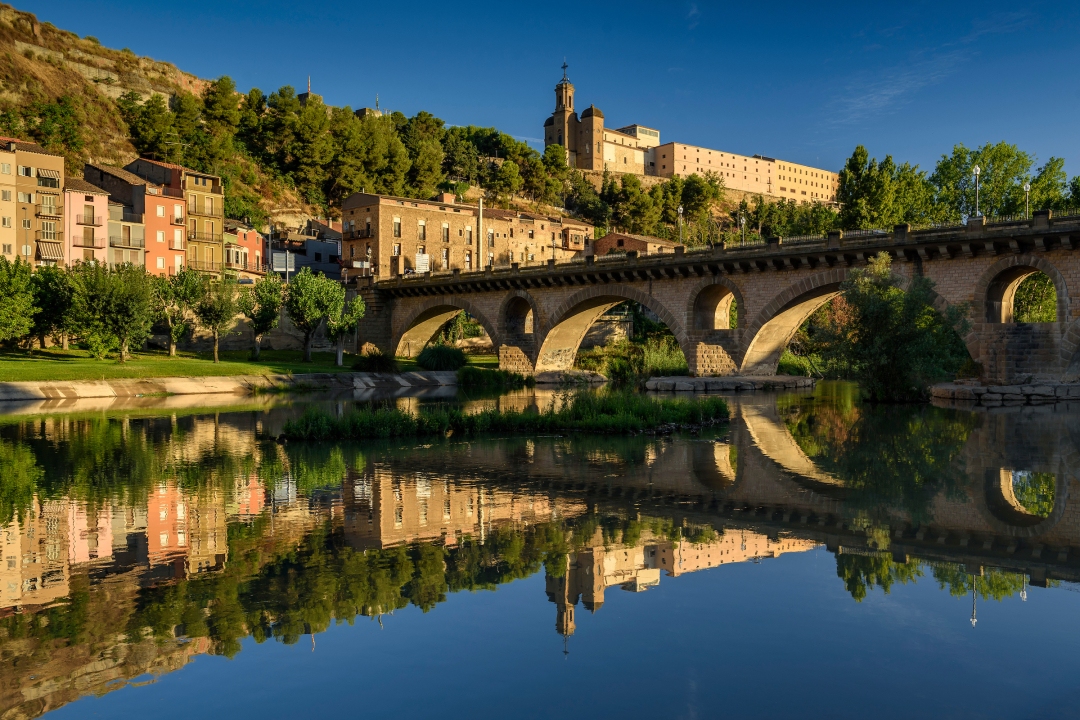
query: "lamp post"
1027, 200
742, 227
680, 224
976, 170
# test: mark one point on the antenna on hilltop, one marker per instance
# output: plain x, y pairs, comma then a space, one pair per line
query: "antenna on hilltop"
309, 84
376, 101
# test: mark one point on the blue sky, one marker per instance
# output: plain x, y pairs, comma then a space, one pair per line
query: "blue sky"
800, 81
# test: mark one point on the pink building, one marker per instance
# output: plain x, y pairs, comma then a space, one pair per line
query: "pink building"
86, 219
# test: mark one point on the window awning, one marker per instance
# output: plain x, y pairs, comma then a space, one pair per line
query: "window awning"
47, 250
45, 173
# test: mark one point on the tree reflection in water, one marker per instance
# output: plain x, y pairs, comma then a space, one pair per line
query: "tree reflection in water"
888, 457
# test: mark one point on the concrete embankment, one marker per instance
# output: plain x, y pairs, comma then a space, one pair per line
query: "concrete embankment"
1005, 395
234, 385
746, 383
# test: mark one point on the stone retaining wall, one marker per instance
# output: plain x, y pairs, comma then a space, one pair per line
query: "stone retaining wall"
999, 395
728, 384
237, 385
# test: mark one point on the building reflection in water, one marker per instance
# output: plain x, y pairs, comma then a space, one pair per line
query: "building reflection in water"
175, 502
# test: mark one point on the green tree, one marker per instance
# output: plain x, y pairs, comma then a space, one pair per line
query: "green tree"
150, 124
309, 300
216, 309
503, 181
342, 321
22, 474
1004, 169
261, 305
881, 195
112, 307
1035, 300
897, 344
174, 300
52, 300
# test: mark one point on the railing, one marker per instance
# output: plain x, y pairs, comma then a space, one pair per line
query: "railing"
116, 241
205, 236
175, 244
91, 220
49, 210
48, 235
170, 192
96, 243
244, 266
873, 232
194, 210
131, 217
176, 220
204, 265
361, 234
797, 239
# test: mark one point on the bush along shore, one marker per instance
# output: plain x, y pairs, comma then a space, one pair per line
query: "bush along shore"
581, 411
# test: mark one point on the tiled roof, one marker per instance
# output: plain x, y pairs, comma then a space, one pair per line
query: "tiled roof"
29, 147
81, 186
120, 173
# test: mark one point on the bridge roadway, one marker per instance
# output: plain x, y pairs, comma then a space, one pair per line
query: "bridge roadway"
537, 316
758, 477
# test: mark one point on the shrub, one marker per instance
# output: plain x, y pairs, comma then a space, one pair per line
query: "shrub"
482, 379
375, 361
441, 357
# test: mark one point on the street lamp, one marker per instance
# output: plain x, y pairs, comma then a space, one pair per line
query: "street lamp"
742, 227
680, 224
1027, 200
976, 170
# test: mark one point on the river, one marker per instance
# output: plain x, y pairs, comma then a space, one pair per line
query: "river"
814, 557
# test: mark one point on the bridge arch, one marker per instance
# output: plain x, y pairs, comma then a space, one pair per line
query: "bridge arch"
519, 314
570, 321
996, 288
709, 305
771, 331
421, 326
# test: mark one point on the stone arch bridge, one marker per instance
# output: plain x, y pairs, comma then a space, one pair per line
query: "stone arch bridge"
537, 317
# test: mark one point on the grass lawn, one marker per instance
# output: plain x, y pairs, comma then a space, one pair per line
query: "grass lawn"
57, 364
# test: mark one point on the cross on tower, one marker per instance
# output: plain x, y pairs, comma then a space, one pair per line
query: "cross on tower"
564, 66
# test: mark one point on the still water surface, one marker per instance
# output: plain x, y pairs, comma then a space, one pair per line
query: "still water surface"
813, 558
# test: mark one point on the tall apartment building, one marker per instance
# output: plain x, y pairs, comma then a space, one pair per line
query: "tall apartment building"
7, 202
39, 207
86, 213
205, 201
162, 212
637, 149
385, 235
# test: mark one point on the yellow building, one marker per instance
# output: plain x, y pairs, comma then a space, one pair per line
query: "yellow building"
637, 149
38, 208
8, 207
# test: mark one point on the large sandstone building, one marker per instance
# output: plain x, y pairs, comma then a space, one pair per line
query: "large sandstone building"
637, 149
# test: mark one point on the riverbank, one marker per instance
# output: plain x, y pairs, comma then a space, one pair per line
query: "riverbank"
734, 383
583, 411
236, 385
1006, 395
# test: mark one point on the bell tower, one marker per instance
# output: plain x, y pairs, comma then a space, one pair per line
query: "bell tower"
562, 127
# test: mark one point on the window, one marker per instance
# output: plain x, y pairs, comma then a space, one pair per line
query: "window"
6, 222
511, 232
178, 211
7, 249
26, 171
421, 231
26, 197
48, 182
161, 211
5, 168
397, 227
468, 260
491, 238
6, 195
530, 234
161, 263
26, 224
491, 259
468, 235
26, 250
446, 232
318, 257
397, 250
161, 236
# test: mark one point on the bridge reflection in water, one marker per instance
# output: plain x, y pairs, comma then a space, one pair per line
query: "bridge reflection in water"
132, 544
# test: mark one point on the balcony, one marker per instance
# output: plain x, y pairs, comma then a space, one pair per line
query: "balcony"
175, 244
205, 237
176, 220
90, 220
204, 266
244, 266
217, 211
171, 192
360, 233
131, 217
95, 243
49, 211
130, 242
48, 235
